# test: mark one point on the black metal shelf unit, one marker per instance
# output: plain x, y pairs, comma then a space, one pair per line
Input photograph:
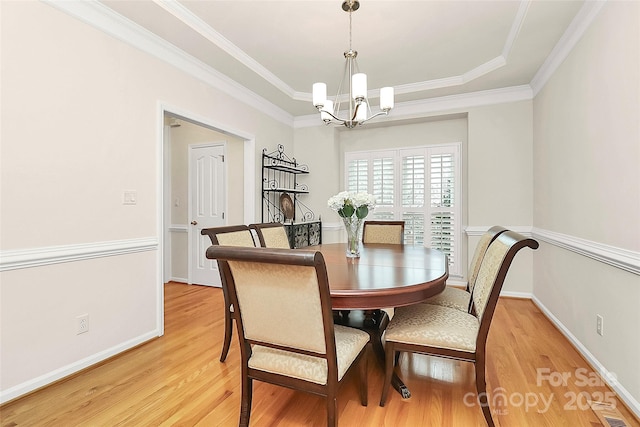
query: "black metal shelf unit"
281, 198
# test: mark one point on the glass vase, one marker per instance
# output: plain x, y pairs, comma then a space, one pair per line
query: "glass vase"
353, 225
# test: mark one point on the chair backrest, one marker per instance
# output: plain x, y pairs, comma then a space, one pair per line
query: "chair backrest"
230, 235
493, 270
383, 232
486, 239
271, 235
283, 300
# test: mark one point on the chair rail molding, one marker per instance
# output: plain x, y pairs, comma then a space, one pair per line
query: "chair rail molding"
618, 257
36, 257
332, 226
477, 231
624, 259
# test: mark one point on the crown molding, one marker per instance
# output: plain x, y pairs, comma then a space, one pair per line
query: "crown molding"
477, 72
412, 109
37, 257
194, 22
106, 20
514, 32
575, 31
202, 28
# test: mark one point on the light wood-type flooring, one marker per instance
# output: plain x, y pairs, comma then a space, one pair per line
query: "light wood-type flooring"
177, 380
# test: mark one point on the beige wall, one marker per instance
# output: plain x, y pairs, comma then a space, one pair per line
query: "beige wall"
587, 185
81, 124
497, 147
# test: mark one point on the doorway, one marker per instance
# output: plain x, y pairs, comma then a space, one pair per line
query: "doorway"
173, 230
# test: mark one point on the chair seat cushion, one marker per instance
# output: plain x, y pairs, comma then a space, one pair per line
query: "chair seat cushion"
433, 325
349, 344
453, 298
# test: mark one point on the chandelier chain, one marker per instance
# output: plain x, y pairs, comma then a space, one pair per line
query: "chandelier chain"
350, 29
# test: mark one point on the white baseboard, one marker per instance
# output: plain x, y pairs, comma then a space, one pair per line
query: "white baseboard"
65, 371
622, 393
521, 295
457, 282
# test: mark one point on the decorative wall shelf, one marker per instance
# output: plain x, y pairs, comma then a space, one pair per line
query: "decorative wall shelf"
279, 185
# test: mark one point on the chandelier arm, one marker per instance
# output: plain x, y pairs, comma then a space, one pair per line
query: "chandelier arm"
381, 113
355, 111
339, 120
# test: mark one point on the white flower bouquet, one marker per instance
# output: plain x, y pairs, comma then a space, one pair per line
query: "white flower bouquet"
348, 204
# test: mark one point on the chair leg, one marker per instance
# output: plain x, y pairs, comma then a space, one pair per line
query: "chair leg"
245, 404
481, 388
389, 364
228, 330
364, 380
332, 411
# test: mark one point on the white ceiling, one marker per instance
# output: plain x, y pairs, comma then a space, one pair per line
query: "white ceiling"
424, 49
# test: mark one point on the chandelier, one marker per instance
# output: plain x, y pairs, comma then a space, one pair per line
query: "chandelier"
359, 109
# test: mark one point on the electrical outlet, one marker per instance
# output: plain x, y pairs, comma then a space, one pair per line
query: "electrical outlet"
82, 324
599, 325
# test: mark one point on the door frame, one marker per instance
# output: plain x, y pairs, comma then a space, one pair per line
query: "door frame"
163, 174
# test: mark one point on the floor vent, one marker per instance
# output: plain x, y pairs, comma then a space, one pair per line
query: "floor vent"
608, 415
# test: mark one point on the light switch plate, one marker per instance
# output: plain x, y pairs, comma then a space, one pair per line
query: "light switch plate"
129, 197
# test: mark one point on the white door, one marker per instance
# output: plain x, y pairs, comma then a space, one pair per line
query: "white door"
206, 208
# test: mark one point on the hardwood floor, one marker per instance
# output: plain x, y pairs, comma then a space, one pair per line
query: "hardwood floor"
178, 380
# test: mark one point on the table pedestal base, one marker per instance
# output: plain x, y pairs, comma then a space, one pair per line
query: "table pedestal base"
374, 323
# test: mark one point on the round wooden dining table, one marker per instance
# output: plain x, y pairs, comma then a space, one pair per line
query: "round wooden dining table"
384, 276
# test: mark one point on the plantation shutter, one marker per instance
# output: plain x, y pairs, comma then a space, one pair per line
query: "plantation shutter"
421, 186
413, 196
373, 173
358, 175
383, 185
443, 201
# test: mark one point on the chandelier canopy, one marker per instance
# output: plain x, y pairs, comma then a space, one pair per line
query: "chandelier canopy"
359, 110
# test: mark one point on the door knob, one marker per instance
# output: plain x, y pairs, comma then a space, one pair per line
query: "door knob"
194, 222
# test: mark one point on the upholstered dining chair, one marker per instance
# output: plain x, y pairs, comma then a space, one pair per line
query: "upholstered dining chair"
460, 299
451, 333
391, 232
387, 232
230, 235
285, 325
271, 235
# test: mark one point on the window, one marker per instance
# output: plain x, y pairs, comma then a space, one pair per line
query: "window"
418, 185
